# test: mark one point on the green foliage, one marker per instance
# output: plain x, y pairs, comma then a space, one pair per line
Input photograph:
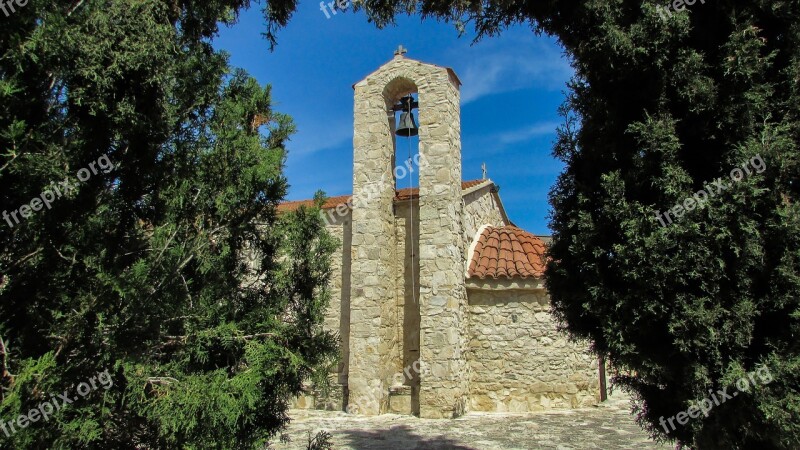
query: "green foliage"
660, 106
173, 270
691, 306
321, 441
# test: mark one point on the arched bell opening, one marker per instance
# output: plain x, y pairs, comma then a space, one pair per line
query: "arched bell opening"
406, 139
402, 104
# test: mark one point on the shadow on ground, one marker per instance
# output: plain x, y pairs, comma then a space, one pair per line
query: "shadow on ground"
400, 436
607, 426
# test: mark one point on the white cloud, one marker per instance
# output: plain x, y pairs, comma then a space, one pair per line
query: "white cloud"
499, 141
313, 138
518, 62
524, 134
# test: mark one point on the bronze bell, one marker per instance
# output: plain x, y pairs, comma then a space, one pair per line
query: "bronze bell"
407, 126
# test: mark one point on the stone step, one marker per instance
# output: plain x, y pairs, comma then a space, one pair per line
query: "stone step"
400, 400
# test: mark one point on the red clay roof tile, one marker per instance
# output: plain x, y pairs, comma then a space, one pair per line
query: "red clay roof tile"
507, 252
333, 202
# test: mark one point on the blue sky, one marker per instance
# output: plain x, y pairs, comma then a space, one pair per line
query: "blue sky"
512, 87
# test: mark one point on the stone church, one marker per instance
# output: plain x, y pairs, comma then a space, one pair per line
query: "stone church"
438, 298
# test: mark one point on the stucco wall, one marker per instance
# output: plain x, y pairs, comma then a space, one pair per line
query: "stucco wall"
519, 362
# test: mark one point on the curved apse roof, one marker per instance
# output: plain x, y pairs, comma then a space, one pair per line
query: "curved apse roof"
507, 252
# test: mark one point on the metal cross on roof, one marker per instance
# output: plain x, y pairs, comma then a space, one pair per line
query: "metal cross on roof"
400, 51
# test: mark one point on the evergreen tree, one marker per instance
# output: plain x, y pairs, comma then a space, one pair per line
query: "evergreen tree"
141, 253
664, 102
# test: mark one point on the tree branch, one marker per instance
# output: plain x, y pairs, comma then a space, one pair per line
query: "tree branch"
181, 340
74, 7
161, 381
6, 377
26, 257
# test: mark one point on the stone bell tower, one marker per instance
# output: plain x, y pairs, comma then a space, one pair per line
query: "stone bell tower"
375, 348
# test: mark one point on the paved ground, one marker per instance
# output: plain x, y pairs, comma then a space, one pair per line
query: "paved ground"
609, 426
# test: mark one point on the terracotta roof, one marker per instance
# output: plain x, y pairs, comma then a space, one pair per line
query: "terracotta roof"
507, 252
333, 202
409, 193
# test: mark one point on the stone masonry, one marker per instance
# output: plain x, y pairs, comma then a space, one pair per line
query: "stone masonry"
374, 354
527, 367
423, 331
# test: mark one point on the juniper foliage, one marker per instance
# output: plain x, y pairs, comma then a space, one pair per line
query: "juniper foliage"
173, 270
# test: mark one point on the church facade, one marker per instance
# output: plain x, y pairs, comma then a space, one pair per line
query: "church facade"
437, 296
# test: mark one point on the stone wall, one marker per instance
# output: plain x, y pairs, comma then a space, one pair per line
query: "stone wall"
442, 257
372, 349
480, 208
519, 363
337, 316
375, 344
408, 307
517, 360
